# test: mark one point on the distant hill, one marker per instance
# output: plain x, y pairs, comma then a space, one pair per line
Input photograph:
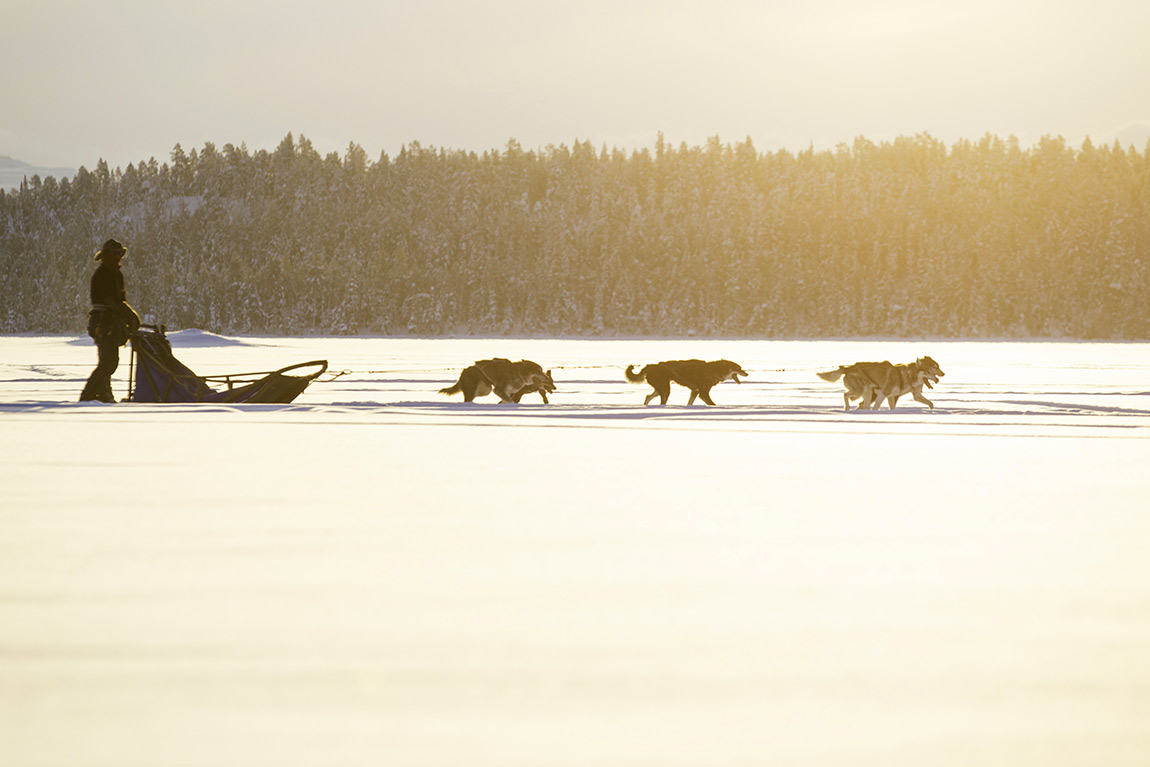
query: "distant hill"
13, 172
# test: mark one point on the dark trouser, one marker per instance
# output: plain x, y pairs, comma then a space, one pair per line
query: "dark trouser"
99, 384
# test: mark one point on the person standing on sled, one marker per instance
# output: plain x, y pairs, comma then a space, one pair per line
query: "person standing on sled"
110, 322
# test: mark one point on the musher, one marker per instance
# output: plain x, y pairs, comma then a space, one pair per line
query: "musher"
110, 322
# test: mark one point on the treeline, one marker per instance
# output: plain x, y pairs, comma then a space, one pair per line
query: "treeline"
907, 238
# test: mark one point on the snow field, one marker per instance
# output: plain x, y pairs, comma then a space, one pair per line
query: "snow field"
378, 574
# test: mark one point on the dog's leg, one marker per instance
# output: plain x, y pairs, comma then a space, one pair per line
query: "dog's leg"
705, 395
880, 395
476, 387
469, 384
691, 399
918, 395
856, 388
893, 400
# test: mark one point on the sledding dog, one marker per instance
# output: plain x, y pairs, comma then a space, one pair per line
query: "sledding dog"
872, 382
696, 375
509, 380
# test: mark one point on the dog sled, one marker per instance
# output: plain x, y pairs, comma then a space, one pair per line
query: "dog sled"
155, 375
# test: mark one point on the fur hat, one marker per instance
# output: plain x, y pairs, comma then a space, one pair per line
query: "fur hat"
111, 248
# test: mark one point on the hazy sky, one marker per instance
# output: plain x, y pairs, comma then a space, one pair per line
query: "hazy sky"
125, 80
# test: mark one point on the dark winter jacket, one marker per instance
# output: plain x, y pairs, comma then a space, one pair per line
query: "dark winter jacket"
111, 320
108, 287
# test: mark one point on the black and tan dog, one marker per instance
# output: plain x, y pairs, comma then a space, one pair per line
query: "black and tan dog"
696, 375
872, 382
509, 380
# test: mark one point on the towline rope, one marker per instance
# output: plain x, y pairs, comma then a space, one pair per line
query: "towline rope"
397, 371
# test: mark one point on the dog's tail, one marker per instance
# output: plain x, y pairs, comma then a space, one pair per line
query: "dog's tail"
457, 387
634, 377
454, 388
833, 375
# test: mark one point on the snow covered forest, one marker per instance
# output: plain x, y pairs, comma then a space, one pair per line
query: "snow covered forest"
978, 239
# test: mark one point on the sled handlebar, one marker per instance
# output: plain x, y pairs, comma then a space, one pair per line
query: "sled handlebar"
322, 364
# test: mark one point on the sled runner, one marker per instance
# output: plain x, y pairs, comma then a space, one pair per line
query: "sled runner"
155, 375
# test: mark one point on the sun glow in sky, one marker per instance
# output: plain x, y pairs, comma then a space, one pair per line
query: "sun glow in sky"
125, 80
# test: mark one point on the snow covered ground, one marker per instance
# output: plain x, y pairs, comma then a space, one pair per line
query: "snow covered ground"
379, 574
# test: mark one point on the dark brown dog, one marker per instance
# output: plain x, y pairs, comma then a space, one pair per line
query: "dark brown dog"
509, 380
696, 375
